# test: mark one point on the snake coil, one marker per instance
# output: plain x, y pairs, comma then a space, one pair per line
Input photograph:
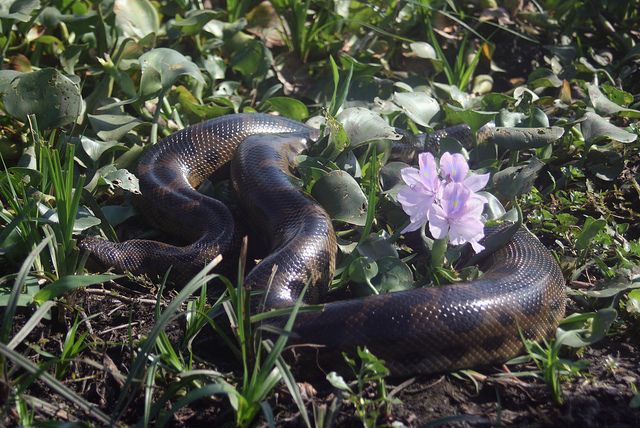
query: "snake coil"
415, 331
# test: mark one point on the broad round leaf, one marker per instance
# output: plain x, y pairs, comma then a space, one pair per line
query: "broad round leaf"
161, 67
362, 126
195, 20
95, 148
393, 275
340, 194
53, 98
604, 106
426, 51
596, 326
376, 247
493, 209
418, 106
136, 18
253, 60
363, 269
84, 218
120, 178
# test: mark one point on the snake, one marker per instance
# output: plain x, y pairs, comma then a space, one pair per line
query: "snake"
418, 331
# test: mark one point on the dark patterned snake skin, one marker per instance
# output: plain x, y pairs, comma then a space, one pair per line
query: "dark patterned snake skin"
417, 331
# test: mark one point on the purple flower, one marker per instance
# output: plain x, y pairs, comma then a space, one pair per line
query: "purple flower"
458, 215
451, 206
454, 167
423, 188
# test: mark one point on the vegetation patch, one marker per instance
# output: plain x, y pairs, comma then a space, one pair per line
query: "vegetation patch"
549, 95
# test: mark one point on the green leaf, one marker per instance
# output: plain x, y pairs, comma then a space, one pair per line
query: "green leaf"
594, 128
53, 98
526, 138
253, 60
475, 119
543, 77
113, 126
161, 67
338, 381
616, 95
418, 106
69, 283
493, 209
393, 275
495, 101
579, 330
604, 106
122, 178
363, 126
426, 51
96, 148
70, 57
288, 107
513, 181
592, 228
84, 219
376, 247
195, 20
136, 18
341, 195
23, 300
391, 178
19, 10
363, 269
31, 176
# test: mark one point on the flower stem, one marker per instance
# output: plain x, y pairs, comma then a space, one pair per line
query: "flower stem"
437, 252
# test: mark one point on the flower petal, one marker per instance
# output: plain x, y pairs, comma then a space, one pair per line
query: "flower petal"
454, 199
411, 176
453, 167
429, 171
438, 223
466, 229
477, 182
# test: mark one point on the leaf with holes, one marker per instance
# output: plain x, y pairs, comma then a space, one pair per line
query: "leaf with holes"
53, 98
340, 194
363, 269
526, 138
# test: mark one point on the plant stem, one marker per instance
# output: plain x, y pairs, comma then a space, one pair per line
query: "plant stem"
437, 252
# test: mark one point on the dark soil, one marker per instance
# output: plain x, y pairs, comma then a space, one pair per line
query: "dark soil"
599, 397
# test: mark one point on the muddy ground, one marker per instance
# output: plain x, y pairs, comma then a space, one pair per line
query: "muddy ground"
599, 397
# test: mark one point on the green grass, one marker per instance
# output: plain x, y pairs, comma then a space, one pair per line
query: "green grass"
86, 88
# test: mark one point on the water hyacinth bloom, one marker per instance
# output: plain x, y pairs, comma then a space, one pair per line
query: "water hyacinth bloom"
450, 204
458, 215
423, 186
454, 167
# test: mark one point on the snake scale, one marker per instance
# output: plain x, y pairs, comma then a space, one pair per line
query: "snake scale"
422, 330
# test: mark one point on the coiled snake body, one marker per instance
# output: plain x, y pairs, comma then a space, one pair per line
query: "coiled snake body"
416, 331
